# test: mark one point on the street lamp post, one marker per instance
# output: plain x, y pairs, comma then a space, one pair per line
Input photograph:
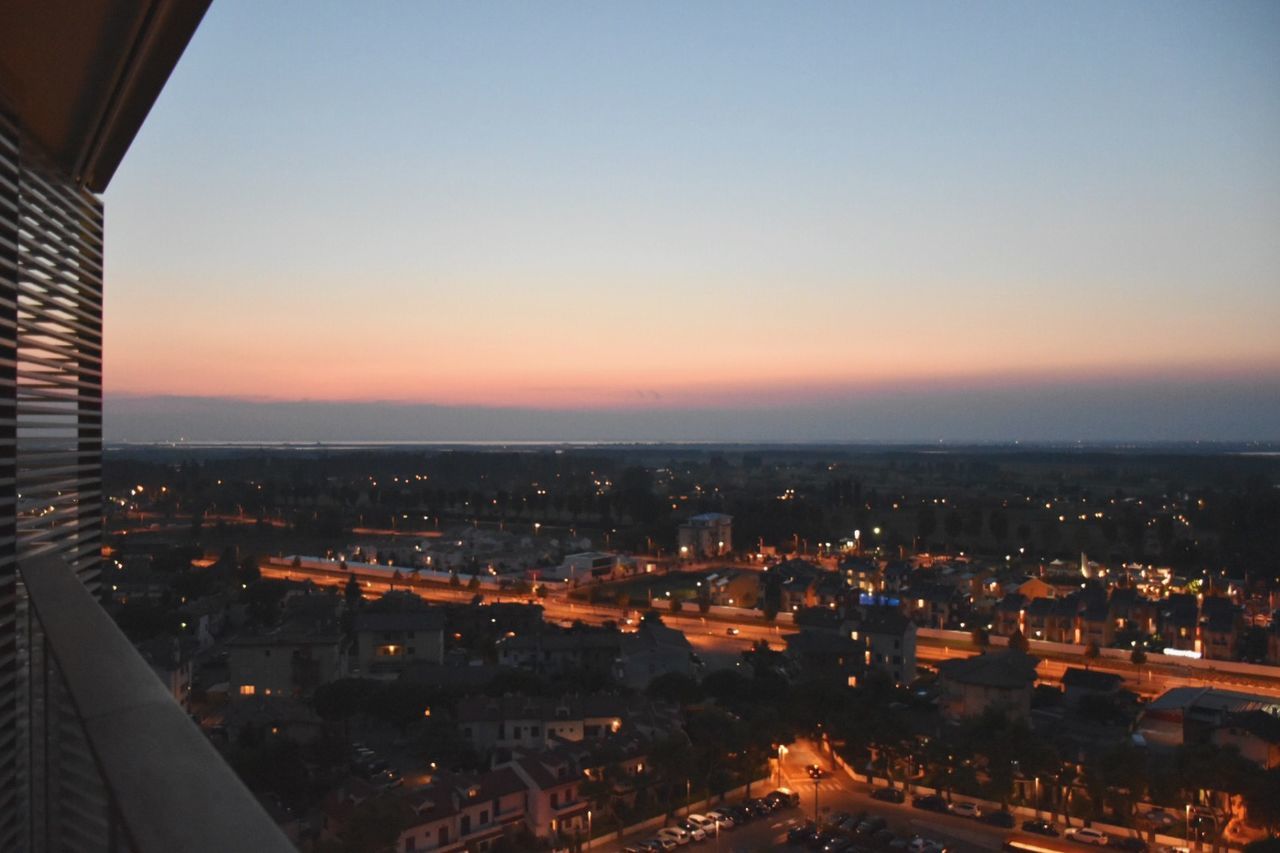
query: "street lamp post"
815, 802
588, 828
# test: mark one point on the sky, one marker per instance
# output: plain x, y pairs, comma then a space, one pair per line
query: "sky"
707, 221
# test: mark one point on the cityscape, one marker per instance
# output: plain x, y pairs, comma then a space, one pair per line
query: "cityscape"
435, 427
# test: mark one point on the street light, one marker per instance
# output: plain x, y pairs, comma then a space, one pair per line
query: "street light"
782, 751
588, 827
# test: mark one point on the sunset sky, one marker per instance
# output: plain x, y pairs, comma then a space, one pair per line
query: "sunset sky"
703, 214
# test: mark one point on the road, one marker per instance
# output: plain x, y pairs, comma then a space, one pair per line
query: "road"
710, 635
837, 793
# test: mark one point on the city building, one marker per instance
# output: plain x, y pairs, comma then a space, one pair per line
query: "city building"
705, 536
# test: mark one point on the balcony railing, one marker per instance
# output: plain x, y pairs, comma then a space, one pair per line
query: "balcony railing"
116, 764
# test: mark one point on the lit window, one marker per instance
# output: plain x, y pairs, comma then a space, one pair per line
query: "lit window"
246, 690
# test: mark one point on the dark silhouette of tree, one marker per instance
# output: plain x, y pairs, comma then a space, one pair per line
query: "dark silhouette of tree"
1018, 642
1091, 653
981, 638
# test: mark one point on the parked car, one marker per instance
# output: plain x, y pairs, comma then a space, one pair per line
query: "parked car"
800, 833
875, 823
721, 817
1128, 844
703, 822
837, 845
889, 795
695, 831
784, 796
924, 845
1040, 827
930, 803
741, 813
1085, 835
1001, 818
676, 834
733, 632
966, 810
883, 837
760, 806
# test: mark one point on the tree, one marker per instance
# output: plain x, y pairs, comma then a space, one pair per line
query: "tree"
676, 604
1018, 642
981, 638
1137, 657
1091, 653
453, 579
474, 583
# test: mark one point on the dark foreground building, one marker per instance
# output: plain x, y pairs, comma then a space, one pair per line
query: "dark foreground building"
94, 753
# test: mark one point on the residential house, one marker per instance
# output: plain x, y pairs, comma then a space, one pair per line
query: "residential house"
1008, 614
930, 605
1179, 622
531, 723
1221, 622
466, 812
888, 639
733, 587
862, 573
554, 651
1255, 734
654, 650
703, 536
397, 630
555, 808
1078, 684
995, 680
306, 650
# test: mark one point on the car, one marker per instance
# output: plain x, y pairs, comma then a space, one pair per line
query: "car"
875, 823
1128, 844
820, 840
930, 803
783, 797
759, 806
676, 834
1002, 819
837, 845
883, 837
696, 832
889, 795
703, 822
721, 817
966, 810
733, 632
740, 813
663, 843
1086, 835
1158, 817
800, 833
924, 845
1040, 827
815, 771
